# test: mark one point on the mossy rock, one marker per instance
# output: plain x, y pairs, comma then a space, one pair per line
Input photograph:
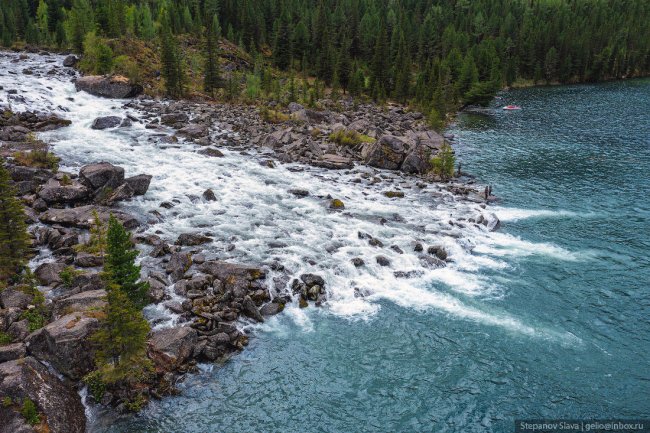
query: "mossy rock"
337, 204
394, 194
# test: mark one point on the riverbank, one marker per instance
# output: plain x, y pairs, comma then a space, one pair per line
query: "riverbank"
201, 297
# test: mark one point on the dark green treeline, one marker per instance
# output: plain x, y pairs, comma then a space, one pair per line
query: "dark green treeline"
459, 51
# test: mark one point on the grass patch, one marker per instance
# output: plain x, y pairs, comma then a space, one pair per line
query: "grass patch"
346, 137
273, 116
5, 339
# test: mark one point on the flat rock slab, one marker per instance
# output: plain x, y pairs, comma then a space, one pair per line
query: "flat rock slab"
82, 217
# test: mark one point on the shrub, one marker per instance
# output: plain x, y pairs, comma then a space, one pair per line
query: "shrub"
35, 319
442, 165
273, 116
345, 137
68, 274
29, 412
96, 386
5, 338
6, 401
37, 158
124, 65
65, 180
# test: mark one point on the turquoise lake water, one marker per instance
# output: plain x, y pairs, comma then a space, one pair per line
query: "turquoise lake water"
572, 169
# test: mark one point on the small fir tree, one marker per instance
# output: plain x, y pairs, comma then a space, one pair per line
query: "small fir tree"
14, 240
119, 264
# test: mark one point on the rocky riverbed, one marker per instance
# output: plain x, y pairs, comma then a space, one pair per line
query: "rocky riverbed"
237, 219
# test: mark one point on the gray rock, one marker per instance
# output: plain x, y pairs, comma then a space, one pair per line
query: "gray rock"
84, 301
312, 280
438, 251
106, 122
174, 118
194, 131
170, 348
82, 217
250, 309
333, 162
122, 192
382, 260
10, 298
388, 153
70, 61
294, 106
299, 192
55, 192
192, 239
178, 264
65, 344
85, 260
59, 403
19, 330
271, 309
13, 351
49, 273
108, 87
492, 222
101, 175
358, 262
139, 184
208, 195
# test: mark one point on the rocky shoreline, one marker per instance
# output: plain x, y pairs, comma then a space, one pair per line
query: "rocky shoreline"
210, 296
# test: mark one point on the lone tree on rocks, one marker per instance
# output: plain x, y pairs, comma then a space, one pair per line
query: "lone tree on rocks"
14, 240
119, 266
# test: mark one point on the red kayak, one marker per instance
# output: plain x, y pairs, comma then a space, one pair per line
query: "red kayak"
512, 107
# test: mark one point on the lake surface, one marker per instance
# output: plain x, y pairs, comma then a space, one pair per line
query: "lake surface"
573, 172
547, 317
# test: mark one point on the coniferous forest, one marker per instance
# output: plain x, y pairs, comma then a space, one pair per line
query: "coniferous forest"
437, 54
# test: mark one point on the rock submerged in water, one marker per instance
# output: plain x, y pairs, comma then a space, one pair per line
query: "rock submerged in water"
337, 204
115, 86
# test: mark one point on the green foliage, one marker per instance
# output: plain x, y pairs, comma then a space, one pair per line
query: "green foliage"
98, 57
97, 242
14, 240
35, 318
253, 86
65, 180
121, 342
350, 138
7, 401
5, 338
96, 385
68, 274
124, 65
119, 264
172, 62
212, 76
442, 165
273, 116
30, 412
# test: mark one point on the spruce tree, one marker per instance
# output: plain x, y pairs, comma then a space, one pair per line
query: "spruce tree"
119, 264
14, 240
172, 67
122, 341
282, 46
212, 77
344, 67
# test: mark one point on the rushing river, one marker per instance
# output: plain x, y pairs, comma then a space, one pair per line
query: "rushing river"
547, 317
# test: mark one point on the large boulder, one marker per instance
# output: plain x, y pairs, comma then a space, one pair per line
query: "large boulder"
49, 273
417, 161
82, 217
333, 162
60, 404
84, 301
10, 298
236, 279
65, 344
109, 87
174, 118
139, 184
170, 348
106, 122
388, 153
56, 192
102, 174
9, 352
192, 239
178, 264
194, 130
70, 61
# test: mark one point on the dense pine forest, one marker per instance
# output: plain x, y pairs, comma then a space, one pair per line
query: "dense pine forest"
436, 54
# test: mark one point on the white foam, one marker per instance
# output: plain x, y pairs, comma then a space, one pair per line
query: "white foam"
254, 209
